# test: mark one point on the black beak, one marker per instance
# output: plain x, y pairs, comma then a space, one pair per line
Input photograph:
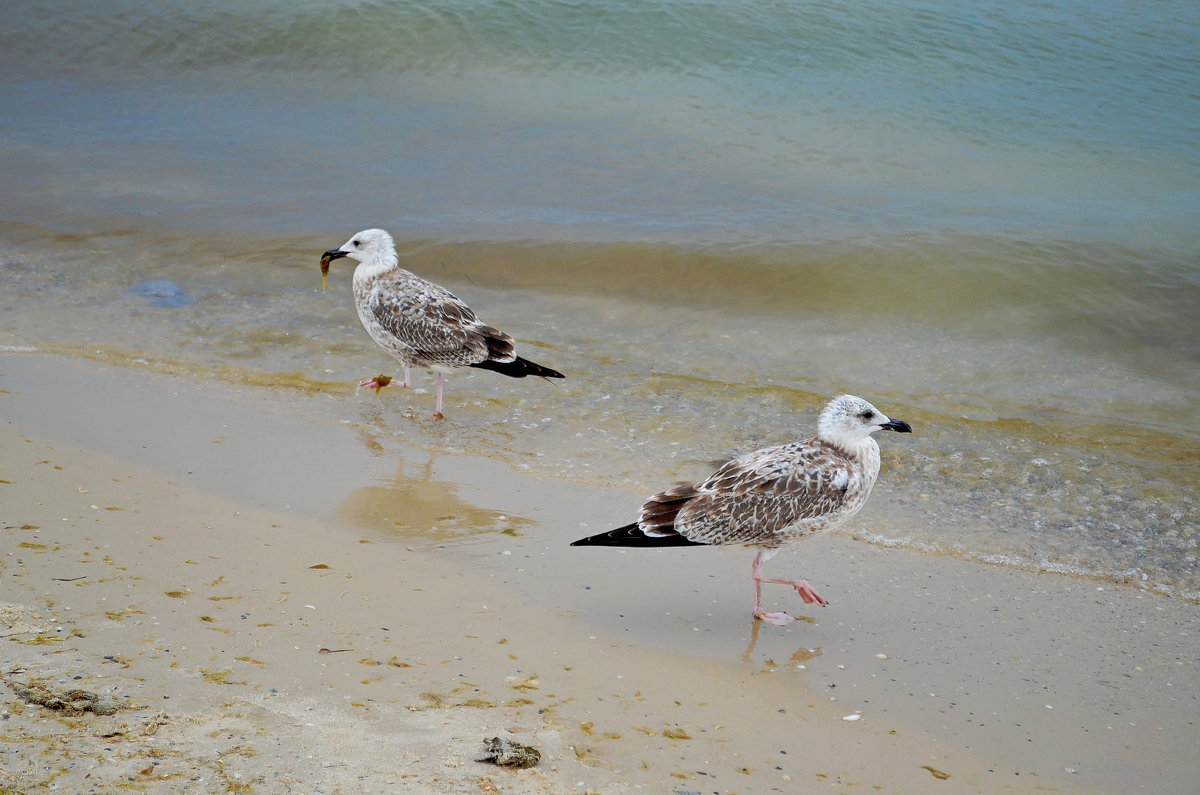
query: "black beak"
326, 258
899, 426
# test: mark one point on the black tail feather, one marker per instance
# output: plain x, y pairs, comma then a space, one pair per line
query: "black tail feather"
518, 368
632, 536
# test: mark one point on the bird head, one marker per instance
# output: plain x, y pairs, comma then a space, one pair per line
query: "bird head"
847, 421
369, 245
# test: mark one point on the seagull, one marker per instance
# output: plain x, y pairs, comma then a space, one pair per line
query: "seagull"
421, 323
771, 497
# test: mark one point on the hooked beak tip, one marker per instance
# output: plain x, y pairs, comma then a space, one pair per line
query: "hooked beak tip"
899, 426
326, 258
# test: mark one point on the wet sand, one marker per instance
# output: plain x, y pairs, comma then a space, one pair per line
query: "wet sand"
289, 602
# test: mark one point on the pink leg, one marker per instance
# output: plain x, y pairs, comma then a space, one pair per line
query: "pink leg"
802, 587
437, 406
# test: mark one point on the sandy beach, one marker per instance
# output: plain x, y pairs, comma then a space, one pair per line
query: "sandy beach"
287, 604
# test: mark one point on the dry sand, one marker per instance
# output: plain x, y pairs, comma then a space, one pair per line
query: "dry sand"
288, 604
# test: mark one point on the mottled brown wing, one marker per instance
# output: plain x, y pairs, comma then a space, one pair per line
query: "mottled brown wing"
755, 498
659, 512
432, 321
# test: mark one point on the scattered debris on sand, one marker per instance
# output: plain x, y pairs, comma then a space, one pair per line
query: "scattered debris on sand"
69, 702
506, 753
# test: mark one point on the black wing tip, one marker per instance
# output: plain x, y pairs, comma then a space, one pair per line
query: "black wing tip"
631, 535
518, 368
539, 370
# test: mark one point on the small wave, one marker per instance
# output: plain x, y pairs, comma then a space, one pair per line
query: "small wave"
1129, 577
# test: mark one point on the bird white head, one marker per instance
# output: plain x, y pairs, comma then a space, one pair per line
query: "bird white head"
371, 244
374, 248
848, 422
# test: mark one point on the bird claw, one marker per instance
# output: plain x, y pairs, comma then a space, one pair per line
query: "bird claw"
812, 597
807, 593
377, 383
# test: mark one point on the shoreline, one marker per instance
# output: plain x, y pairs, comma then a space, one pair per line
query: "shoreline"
1081, 457
467, 616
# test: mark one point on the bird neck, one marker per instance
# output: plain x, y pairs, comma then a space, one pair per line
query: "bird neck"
853, 446
371, 269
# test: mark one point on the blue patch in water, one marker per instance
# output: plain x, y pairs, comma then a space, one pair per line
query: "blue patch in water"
163, 292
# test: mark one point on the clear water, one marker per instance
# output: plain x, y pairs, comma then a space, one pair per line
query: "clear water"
711, 216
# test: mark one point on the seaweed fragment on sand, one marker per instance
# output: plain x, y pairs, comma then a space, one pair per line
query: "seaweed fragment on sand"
936, 773
70, 702
506, 753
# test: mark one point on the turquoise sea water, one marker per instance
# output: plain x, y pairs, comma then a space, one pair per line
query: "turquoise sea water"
675, 121
712, 215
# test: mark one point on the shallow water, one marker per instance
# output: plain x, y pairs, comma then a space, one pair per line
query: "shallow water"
1032, 451
710, 217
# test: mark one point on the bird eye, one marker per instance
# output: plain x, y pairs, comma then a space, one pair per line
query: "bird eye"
867, 415
357, 244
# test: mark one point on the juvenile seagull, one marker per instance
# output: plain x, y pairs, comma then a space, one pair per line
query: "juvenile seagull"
771, 497
420, 323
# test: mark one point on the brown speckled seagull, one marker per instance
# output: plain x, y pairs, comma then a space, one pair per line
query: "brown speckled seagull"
420, 323
771, 497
